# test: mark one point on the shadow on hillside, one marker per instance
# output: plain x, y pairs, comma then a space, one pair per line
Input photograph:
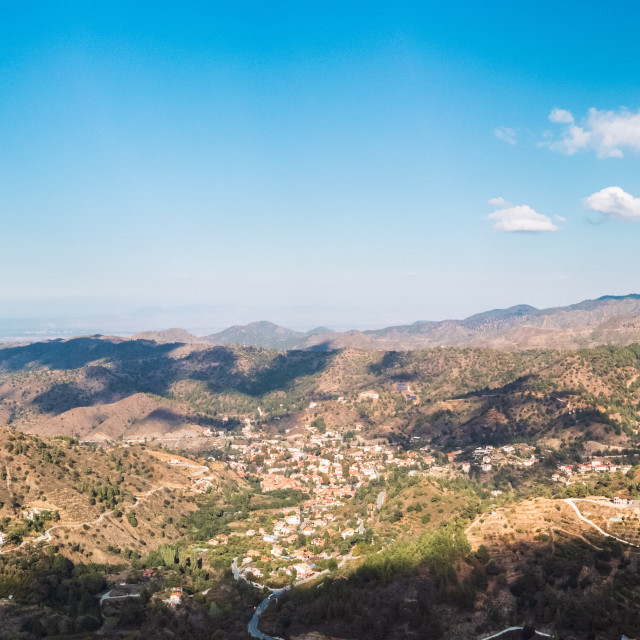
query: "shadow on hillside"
488, 421
518, 385
326, 345
484, 428
387, 368
142, 366
164, 415
78, 352
415, 591
223, 372
62, 397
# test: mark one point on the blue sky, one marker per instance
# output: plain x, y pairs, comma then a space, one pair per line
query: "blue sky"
319, 154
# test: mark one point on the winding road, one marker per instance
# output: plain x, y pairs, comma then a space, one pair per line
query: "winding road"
108, 596
252, 627
500, 633
570, 502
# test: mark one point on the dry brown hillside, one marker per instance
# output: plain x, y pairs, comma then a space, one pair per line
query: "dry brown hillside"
86, 497
137, 417
104, 390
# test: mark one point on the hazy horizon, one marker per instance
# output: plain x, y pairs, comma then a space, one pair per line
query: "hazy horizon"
202, 319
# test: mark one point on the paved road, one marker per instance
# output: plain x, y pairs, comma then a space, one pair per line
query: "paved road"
570, 502
497, 635
252, 627
108, 596
380, 499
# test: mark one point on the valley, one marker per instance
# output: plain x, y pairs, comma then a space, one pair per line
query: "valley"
441, 487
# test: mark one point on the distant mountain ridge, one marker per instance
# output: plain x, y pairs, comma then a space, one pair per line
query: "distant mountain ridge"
264, 334
168, 335
608, 319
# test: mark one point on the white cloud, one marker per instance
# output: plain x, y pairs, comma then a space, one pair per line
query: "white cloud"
608, 133
505, 134
518, 218
614, 203
499, 203
561, 115
560, 218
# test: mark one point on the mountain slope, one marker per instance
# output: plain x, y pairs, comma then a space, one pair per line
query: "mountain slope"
135, 417
100, 390
259, 334
609, 319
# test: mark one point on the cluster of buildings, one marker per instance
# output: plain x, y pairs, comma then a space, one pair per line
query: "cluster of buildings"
600, 465
315, 523
486, 458
595, 465
31, 513
326, 466
313, 461
330, 465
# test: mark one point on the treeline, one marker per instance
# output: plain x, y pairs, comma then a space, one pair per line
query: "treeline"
66, 594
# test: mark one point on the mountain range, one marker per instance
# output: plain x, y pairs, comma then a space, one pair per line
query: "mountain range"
609, 319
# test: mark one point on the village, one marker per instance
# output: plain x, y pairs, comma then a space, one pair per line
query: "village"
294, 544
